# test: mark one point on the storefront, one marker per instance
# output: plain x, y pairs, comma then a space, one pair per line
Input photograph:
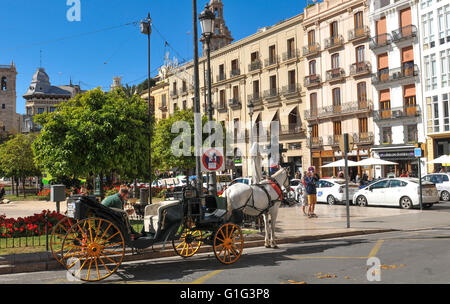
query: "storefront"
323, 158
403, 155
437, 147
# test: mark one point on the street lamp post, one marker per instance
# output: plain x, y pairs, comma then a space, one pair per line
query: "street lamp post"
207, 18
146, 28
310, 144
251, 108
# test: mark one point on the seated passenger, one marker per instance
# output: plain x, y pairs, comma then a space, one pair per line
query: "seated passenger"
117, 202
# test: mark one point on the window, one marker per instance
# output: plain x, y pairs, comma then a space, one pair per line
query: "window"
433, 114
441, 23
363, 125
336, 97
360, 54
445, 68
433, 72
313, 103
256, 89
272, 54
361, 92
412, 134
387, 135
52, 109
315, 130
337, 128
427, 73
380, 185
291, 79
254, 56
184, 104
3, 84
335, 61
446, 112
236, 93
312, 67
397, 184
291, 48
311, 38
334, 29
427, 28
3, 106
163, 100
41, 110
273, 82
222, 99
359, 20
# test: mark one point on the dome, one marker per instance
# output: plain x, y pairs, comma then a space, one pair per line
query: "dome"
41, 77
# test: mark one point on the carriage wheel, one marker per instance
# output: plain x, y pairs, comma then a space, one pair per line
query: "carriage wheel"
189, 242
59, 232
228, 243
93, 249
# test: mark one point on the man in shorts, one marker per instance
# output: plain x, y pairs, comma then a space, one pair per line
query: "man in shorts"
311, 190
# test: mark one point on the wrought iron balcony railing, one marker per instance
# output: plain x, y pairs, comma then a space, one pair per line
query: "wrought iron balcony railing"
271, 61
314, 142
255, 65
397, 74
291, 54
174, 93
348, 108
360, 68
359, 33
334, 42
334, 140
311, 49
271, 93
312, 80
235, 72
221, 77
397, 113
403, 33
335, 74
234, 102
292, 88
366, 138
380, 41
291, 129
255, 98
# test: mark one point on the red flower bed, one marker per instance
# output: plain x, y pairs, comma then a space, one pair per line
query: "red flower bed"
29, 226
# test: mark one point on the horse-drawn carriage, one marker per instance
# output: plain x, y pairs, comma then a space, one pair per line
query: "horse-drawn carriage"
92, 240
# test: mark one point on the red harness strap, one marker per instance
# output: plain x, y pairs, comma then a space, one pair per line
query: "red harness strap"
277, 189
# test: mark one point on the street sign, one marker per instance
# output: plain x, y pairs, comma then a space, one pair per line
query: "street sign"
418, 152
351, 143
213, 160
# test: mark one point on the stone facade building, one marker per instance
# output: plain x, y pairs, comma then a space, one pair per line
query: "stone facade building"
9, 119
42, 97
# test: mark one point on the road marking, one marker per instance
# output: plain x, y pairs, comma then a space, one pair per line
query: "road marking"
206, 277
375, 249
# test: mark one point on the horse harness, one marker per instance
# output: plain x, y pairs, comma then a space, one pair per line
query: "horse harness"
274, 184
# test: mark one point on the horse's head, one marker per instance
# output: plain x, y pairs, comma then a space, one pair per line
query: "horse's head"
282, 177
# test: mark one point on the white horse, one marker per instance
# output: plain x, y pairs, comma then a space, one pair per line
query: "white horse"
263, 198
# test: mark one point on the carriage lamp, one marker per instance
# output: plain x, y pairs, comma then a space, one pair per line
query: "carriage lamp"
207, 18
251, 109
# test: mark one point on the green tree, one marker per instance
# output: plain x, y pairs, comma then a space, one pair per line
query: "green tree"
95, 133
16, 158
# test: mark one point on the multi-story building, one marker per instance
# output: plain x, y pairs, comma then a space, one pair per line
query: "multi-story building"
397, 89
265, 68
338, 81
435, 44
42, 97
9, 119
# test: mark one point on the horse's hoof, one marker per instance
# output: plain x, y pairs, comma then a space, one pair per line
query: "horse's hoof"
275, 247
267, 246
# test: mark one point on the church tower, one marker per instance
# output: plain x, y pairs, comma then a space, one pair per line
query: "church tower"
8, 117
222, 35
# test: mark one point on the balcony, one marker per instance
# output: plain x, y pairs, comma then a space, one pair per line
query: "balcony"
334, 140
174, 93
221, 77
314, 143
334, 42
234, 103
255, 98
405, 73
255, 66
404, 33
235, 73
183, 91
291, 90
398, 113
335, 74
291, 54
311, 50
366, 138
333, 111
312, 80
290, 130
221, 107
360, 68
271, 94
359, 34
380, 41
271, 61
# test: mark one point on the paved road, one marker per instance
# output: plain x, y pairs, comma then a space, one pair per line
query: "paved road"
405, 257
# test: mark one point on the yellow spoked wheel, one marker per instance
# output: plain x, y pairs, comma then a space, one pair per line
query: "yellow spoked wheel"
93, 249
59, 232
189, 242
228, 243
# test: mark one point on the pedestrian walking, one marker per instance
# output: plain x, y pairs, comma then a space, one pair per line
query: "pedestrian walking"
303, 195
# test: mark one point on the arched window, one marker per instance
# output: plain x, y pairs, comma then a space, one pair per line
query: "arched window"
3, 84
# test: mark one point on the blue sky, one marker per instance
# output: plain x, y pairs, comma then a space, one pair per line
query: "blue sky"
98, 47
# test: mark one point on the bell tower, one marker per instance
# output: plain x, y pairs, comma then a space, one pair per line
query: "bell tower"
222, 35
8, 117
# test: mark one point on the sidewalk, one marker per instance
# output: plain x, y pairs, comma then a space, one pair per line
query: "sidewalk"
291, 227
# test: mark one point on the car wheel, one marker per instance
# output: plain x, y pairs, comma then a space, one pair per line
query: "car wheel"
406, 203
331, 200
445, 196
361, 201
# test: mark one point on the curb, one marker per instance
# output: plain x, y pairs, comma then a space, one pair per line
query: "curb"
45, 261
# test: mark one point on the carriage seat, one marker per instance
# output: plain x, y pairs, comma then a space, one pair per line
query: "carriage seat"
215, 208
153, 213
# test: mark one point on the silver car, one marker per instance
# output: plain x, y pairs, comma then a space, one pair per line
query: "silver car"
442, 182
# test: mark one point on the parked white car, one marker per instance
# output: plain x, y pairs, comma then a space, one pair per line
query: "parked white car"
442, 182
403, 192
332, 191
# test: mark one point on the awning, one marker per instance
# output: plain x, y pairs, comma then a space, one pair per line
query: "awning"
410, 90
287, 111
268, 116
255, 117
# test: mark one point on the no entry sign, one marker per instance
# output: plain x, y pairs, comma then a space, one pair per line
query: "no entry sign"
213, 160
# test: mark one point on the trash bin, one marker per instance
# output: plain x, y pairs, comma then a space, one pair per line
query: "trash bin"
144, 196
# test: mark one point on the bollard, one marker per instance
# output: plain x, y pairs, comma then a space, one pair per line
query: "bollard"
144, 196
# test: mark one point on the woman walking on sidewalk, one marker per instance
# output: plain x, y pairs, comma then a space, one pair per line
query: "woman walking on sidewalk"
311, 190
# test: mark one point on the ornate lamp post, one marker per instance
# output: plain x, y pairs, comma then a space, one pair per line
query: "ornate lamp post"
251, 109
146, 28
207, 18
